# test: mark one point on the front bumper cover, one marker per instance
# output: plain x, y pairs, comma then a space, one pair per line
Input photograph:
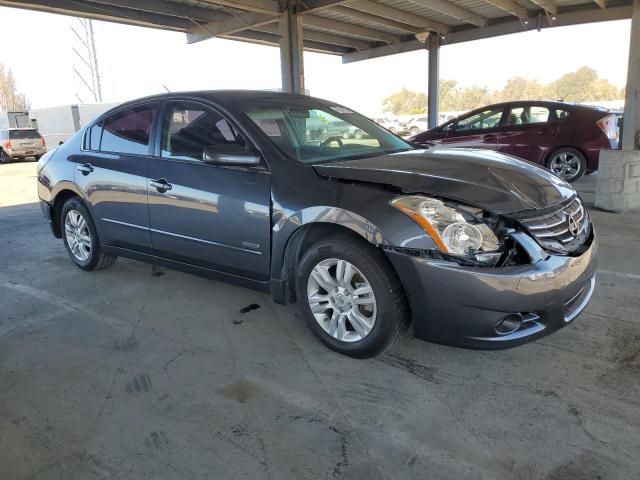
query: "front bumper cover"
457, 305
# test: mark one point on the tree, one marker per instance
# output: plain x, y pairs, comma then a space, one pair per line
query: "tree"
520, 88
405, 102
10, 98
583, 85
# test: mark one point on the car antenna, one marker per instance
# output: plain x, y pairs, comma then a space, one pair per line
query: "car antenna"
565, 96
165, 87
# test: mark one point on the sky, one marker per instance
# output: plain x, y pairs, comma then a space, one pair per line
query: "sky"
137, 61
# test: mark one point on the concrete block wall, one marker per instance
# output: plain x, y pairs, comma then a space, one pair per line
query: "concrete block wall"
618, 188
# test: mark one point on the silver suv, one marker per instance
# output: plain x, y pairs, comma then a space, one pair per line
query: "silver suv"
19, 143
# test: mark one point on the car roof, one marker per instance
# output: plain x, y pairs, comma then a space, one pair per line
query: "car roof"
221, 97
550, 103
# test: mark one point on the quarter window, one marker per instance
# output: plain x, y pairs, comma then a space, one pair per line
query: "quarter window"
481, 121
189, 128
128, 131
92, 138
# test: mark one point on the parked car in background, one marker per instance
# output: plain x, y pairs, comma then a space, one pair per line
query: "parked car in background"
418, 125
394, 126
566, 138
472, 248
20, 143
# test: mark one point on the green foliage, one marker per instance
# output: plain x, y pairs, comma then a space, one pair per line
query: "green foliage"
405, 102
583, 85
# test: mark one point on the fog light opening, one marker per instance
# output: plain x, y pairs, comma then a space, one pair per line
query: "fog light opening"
509, 324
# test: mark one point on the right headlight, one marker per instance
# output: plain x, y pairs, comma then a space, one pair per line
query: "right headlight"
447, 226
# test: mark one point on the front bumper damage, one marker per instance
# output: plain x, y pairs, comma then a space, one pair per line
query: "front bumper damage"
464, 306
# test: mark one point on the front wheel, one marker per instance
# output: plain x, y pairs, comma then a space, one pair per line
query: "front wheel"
351, 297
81, 238
567, 163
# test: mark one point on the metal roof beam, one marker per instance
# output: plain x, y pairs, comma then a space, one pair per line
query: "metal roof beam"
272, 40
311, 6
270, 7
566, 17
322, 37
601, 3
229, 25
107, 13
398, 15
369, 17
165, 8
548, 6
350, 29
451, 10
511, 7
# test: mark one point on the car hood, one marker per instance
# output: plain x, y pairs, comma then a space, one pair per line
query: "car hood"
495, 182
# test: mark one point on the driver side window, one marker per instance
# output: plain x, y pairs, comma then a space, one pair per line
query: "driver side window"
480, 121
190, 127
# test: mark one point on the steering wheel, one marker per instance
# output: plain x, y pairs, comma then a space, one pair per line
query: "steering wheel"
326, 143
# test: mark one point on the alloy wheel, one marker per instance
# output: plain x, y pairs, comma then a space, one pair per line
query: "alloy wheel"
341, 300
77, 235
565, 164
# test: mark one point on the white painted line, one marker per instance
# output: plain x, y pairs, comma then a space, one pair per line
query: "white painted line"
634, 276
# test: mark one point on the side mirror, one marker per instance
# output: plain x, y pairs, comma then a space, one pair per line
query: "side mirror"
230, 155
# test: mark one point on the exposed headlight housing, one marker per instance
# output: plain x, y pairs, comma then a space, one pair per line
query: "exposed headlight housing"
448, 227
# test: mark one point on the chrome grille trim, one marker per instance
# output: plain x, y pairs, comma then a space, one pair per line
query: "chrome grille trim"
552, 229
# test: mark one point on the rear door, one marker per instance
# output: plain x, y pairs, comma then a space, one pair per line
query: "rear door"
528, 131
112, 173
217, 217
476, 130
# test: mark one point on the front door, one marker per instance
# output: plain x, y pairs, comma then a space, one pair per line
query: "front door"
112, 174
476, 130
217, 217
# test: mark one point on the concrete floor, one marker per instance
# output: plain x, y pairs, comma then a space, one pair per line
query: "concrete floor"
141, 373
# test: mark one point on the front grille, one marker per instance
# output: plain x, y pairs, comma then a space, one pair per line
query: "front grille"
561, 231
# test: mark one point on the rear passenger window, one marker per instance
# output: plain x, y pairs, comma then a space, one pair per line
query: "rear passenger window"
128, 131
528, 115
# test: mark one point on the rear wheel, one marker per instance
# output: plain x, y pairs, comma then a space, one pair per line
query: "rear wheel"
4, 158
567, 163
81, 238
350, 296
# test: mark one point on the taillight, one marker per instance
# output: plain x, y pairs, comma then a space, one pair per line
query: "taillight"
7, 144
609, 126
44, 145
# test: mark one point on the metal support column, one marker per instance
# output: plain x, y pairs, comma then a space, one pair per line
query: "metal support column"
291, 49
631, 126
434, 78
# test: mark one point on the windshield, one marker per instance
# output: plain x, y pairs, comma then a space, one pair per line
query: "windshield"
314, 132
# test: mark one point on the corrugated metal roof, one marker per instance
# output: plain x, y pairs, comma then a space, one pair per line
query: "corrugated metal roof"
239, 18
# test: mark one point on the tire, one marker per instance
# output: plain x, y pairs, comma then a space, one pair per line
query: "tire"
4, 158
38, 157
95, 259
567, 163
387, 318
414, 131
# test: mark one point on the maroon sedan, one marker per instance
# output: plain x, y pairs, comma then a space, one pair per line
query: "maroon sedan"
564, 137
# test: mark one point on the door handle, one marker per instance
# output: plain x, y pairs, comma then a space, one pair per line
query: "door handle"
86, 169
161, 185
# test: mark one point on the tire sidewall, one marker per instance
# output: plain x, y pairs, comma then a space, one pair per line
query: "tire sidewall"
388, 318
77, 205
573, 151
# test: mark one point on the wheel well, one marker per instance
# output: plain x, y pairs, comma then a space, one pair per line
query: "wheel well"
301, 240
59, 201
